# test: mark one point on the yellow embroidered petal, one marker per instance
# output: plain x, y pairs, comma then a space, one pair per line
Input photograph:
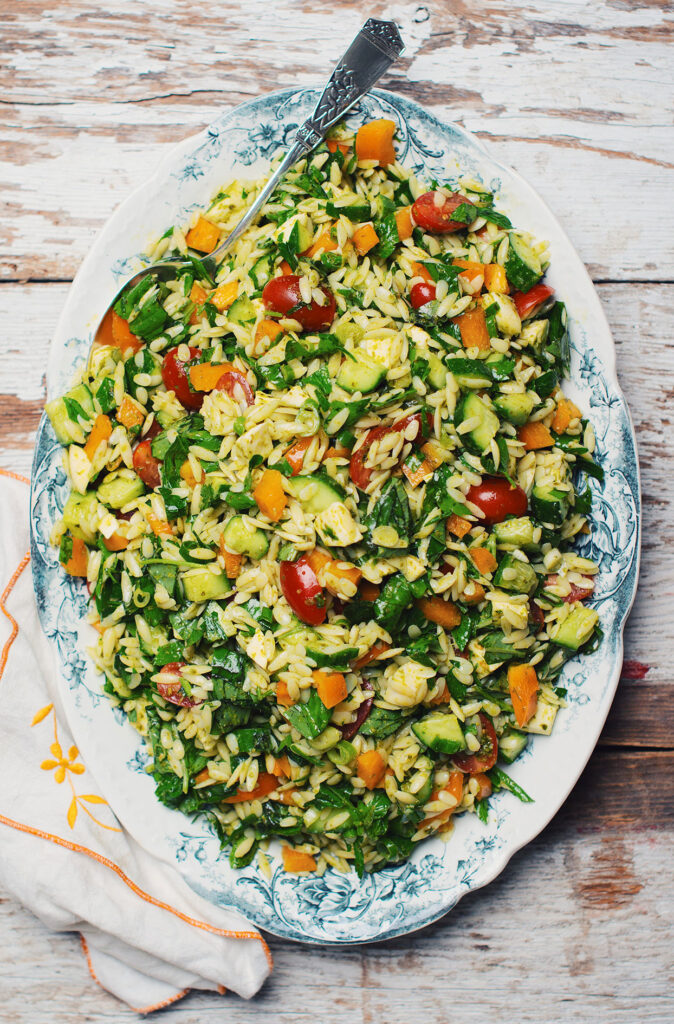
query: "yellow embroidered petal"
48, 765
92, 798
72, 753
56, 750
60, 773
72, 812
78, 769
42, 714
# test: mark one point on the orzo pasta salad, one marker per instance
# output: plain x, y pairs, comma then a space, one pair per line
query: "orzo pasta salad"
325, 497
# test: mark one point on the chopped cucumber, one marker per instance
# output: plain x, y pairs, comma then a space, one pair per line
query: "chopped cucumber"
118, 489
534, 334
243, 538
157, 638
361, 373
576, 629
518, 532
515, 408
515, 575
70, 426
437, 371
314, 494
349, 332
337, 658
423, 766
506, 316
483, 433
261, 272
470, 373
543, 720
549, 505
353, 206
79, 513
242, 311
511, 744
441, 732
522, 266
204, 585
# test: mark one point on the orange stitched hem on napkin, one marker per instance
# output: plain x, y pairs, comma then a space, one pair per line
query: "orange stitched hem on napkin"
137, 1009
15, 625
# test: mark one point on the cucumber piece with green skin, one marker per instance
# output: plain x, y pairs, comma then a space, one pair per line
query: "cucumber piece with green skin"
203, 585
158, 638
261, 272
117, 490
470, 373
241, 311
534, 334
480, 437
522, 582
549, 505
441, 732
361, 373
349, 333
506, 316
522, 266
67, 429
515, 408
243, 538
423, 795
352, 206
437, 371
518, 532
79, 513
337, 658
511, 744
314, 494
576, 629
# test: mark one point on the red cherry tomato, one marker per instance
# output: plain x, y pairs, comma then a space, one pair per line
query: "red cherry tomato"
146, 465
176, 378
436, 216
359, 472
577, 593
303, 592
421, 293
171, 688
351, 728
486, 756
282, 294
497, 499
236, 385
536, 300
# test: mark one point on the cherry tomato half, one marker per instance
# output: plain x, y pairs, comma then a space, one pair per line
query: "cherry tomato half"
171, 687
358, 471
421, 293
577, 593
282, 294
536, 300
485, 758
303, 592
175, 375
237, 387
436, 215
497, 498
146, 464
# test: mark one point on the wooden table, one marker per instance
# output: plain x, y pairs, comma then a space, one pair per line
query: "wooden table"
576, 96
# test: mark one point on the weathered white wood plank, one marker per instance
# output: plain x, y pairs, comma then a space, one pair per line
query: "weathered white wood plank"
577, 96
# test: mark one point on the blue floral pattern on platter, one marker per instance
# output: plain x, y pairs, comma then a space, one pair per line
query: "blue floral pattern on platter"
341, 908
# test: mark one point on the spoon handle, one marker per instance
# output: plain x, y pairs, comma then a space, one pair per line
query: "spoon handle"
374, 49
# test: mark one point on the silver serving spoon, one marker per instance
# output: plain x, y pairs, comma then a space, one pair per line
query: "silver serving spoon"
374, 49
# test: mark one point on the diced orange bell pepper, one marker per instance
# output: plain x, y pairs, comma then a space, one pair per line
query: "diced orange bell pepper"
267, 329
371, 768
334, 145
224, 295
377, 648
266, 784
483, 560
565, 412
419, 270
459, 526
365, 238
471, 270
129, 414
281, 767
473, 327
101, 431
535, 435
369, 591
295, 454
116, 542
454, 787
77, 563
159, 527
495, 279
374, 141
523, 686
330, 686
436, 609
282, 695
122, 335
297, 861
205, 376
475, 595
270, 496
187, 474
198, 296
484, 783
285, 268
204, 236
404, 222
287, 796
336, 453
324, 242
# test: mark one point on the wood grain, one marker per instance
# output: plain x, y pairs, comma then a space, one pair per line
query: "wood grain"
578, 97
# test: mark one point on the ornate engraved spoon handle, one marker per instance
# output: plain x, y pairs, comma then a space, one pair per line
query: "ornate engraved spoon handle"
374, 49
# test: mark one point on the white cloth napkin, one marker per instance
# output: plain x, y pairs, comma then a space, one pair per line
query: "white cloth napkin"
146, 936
